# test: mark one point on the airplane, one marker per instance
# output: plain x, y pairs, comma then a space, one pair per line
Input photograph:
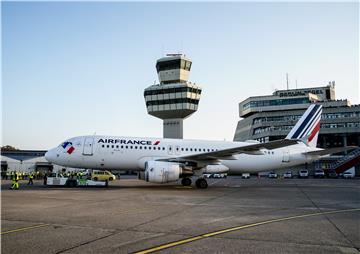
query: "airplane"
161, 160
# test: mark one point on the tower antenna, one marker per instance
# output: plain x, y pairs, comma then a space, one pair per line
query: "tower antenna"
287, 81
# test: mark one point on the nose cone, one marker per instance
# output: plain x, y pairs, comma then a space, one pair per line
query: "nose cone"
50, 155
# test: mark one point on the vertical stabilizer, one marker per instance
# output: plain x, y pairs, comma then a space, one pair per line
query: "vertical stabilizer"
308, 127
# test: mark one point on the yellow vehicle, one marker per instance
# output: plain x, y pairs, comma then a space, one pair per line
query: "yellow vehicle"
101, 175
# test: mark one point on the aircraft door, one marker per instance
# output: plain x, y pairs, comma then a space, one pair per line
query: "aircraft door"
286, 156
88, 146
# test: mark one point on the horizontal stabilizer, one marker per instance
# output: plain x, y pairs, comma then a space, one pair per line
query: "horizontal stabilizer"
331, 150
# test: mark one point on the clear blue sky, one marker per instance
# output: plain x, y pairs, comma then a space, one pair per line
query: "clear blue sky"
78, 68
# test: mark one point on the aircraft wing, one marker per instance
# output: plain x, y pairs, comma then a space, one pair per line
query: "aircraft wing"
331, 150
227, 154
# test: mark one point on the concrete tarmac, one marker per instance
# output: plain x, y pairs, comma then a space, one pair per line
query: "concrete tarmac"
233, 215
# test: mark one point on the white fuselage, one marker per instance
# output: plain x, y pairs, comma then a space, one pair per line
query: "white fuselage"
131, 153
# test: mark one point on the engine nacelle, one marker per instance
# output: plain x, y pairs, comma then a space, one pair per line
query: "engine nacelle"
215, 169
161, 172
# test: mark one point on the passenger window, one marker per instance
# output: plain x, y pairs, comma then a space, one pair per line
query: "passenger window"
135, 147
163, 148
195, 149
126, 147
131, 147
140, 147
145, 147
159, 148
122, 147
112, 146
117, 146
103, 145
182, 149
154, 148
208, 150
107, 146
191, 149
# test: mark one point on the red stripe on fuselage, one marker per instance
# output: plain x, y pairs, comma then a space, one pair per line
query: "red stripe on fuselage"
314, 131
71, 149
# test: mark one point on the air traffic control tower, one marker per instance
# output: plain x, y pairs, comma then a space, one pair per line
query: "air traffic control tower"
175, 98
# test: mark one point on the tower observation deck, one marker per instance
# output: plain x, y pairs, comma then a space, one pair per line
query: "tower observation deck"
174, 98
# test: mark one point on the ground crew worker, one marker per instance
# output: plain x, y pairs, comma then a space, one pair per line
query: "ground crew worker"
45, 178
31, 176
15, 182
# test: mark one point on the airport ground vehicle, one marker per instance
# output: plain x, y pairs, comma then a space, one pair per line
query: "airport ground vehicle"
287, 174
319, 173
102, 175
303, 173
348, 175
332, 174
272, 175
217, 176
56, 179
245, 175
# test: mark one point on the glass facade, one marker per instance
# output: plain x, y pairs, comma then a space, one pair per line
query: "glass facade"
275, 102
297, 117
172, 101
172, 90
289, 127
173, 64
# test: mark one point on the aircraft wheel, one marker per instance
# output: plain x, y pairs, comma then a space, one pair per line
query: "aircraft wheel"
201, 183
186, 181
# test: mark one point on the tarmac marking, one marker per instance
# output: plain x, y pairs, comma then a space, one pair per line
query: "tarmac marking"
215, 233
23, 229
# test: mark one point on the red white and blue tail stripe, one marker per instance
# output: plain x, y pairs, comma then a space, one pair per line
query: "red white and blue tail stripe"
308, 127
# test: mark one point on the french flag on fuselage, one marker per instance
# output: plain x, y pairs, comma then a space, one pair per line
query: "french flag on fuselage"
68, 147
308, 125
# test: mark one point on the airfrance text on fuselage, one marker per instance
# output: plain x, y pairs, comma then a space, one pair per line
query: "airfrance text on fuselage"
124, 141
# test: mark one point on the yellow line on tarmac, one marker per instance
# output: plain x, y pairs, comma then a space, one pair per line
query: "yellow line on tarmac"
23, 229
199, 237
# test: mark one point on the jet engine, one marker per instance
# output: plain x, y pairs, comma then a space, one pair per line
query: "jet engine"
161, 172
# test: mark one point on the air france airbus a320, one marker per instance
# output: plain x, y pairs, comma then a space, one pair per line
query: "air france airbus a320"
168, 160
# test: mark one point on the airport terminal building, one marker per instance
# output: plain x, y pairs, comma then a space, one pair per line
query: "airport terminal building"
271, 117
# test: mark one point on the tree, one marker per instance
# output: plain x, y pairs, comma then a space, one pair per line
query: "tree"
8, 148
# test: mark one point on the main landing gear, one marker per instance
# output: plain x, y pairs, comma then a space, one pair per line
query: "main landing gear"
201, 183
186, 181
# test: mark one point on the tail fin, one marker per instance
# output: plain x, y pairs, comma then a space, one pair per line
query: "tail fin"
308, 127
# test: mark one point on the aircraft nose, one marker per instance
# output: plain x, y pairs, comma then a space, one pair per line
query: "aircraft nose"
50, 155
